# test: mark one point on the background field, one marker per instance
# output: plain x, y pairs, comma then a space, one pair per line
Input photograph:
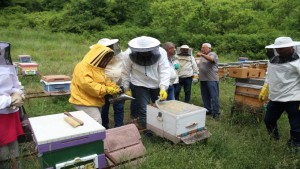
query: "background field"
238, 140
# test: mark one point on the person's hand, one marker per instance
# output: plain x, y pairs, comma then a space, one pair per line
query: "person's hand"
128, 92
264, 92
195, 79
176, 66
199, 54
163, 95
17, 100
113, 90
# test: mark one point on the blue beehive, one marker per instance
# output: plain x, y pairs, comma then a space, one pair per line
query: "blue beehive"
56, 84
24, 58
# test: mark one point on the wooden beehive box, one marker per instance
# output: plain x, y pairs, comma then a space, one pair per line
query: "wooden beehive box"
243, 72
58, 143
56, 84
247, 94
29, 68
174, 119
24, 58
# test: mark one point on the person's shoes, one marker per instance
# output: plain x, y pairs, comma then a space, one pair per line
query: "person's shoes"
148, 133
216, 116
208, 113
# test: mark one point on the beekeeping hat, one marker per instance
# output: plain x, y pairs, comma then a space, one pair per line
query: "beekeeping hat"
106, 42
184, 47
143, 44
184, 52
5, 57
283, 42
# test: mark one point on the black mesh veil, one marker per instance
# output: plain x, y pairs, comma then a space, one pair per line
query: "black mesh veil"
5, 57
145, 58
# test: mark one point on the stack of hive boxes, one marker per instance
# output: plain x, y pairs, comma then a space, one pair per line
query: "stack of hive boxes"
27, 66
56, 84
222, 70
60, 145
249, 81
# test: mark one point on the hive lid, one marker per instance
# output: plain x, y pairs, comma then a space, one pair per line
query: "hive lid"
56, 78
53, 128
176, 107
28, 64
23, 56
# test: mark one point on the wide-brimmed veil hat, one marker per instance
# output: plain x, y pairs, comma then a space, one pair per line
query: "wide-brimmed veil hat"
184, 47
283, 42
106, 42
143, 44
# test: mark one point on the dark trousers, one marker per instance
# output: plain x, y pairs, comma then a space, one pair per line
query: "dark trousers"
133, 107
143, 97
171, 93
118, 113
186, 82
275, 110
210, 96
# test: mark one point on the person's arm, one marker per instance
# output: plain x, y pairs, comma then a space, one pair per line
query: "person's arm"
195, 67
164, 71
95, 89
210, 58
127, 64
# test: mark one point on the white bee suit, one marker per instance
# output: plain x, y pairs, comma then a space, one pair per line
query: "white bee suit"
114, 69
153, 76
9, 84
284, 81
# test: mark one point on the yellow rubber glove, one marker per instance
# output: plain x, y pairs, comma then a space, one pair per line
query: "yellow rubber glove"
264, 92
128, 92
163, 95
113, 90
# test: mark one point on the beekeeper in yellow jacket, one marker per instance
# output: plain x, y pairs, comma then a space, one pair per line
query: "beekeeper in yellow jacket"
89, 83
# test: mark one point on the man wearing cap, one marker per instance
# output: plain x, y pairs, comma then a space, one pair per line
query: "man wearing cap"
113, 70
209, 79
146, 66
282, 86
187, 72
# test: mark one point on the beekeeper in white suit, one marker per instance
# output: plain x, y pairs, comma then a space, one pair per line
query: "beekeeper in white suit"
147, 67
11, 98
282, 86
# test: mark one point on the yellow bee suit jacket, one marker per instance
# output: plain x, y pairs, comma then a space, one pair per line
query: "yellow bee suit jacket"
88, 86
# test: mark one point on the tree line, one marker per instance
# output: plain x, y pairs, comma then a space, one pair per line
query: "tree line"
239, 28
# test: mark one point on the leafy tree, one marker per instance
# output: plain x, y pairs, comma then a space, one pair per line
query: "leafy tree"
174, 19
55, 5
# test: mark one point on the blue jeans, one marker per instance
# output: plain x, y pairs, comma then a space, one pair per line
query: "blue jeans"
133, 107
273, 113
118, 113
210, 96
142, 100
171, 93
186, 82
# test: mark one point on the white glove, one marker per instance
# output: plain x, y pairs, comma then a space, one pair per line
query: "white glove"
17, 100
195, 79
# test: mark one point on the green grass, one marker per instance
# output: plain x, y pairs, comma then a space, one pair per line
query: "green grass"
238, 140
